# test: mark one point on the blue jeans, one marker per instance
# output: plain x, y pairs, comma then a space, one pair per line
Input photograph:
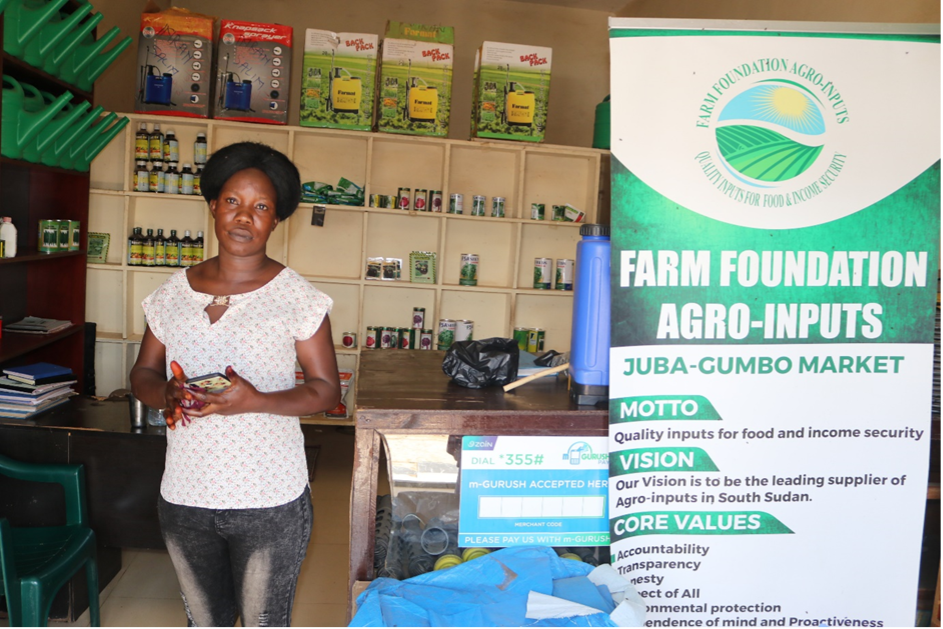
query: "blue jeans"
237, 562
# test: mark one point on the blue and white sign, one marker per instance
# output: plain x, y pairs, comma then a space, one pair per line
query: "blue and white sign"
549, 491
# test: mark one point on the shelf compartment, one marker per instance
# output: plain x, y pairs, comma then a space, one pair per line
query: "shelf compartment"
13, 345
106, 308
346, 309
110, 374
106, 215
154, 213
553, 312
494, 243
406, 163
487, 171
396, 235
332, 249
557, 179
490, 311
326, 157
544, 241
394, 308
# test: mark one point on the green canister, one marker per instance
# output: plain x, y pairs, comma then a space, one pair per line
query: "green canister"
65, 229
537, 211
48, 236
559, 213
75, 235
520, 335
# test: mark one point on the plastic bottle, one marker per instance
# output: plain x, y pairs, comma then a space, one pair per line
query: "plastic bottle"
160, 249
148, 248
171, 147
153, 176
172, 179
155, 143
199, 149
198, 180
198, 248
135, 248
186, 180
589, 343
186, 249
141, 176
8, 236
141, 143
172, 249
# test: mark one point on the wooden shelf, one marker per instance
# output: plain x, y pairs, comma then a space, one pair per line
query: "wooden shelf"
40, 79
31, 255
13, 345
34, 167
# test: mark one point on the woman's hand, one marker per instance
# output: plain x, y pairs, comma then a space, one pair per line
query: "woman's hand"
174, 392
239, 397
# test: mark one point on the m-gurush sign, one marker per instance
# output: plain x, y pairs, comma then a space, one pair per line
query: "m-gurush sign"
775, 253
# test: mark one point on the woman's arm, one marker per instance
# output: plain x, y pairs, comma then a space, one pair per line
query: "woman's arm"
149, 380
321, 390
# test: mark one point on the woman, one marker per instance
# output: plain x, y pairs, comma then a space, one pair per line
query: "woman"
235, 506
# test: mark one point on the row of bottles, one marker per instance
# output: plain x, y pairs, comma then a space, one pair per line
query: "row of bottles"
153, 177
156, 250
157, 147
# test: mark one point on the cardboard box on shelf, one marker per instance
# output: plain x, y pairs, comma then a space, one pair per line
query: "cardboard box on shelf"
338, 78
175, 54
511, 92
414, 90
253, 70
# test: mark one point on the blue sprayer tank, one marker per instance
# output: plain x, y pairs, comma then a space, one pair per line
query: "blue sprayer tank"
589, 343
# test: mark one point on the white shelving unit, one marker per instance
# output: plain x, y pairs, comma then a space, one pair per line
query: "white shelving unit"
333, 256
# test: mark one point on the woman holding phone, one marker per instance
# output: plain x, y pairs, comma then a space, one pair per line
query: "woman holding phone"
235, 506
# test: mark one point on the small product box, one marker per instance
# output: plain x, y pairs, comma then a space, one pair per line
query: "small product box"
253, 66
511, 91
175, 55
414, 89
338, 78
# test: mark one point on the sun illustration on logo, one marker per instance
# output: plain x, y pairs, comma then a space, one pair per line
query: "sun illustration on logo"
770, 133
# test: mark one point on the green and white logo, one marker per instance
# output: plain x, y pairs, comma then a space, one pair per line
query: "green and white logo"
770, 133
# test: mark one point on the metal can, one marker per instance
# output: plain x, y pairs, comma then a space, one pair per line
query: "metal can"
535, 340
349, 339
478, 205
419, 317
520, 335
372, 341
464, 330
48, 236
537, 211
403, 198
403, 334
559, 213
65, 229
446, 333
420, 200
542, 273
563, 279
435, 200
388, 338
455, 203
497, 207
75, 235
468, 272
425, 339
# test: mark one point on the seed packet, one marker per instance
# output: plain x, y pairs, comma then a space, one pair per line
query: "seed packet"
392, 269
422, 267
374, 268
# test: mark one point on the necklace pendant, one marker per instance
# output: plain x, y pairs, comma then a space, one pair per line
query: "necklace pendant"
220, 300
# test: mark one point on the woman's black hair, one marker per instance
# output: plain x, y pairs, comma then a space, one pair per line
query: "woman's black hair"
230, 159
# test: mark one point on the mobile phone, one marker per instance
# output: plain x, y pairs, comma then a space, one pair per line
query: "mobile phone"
211, 382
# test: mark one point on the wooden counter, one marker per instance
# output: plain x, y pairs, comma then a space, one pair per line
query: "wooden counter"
406, 392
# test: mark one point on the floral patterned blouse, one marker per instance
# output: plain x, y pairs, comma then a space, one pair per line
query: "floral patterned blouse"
254, 460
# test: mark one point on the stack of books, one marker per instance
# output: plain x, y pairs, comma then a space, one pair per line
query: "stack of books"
38, 325
31, 389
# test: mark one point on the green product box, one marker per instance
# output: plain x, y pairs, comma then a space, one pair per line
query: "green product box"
511, 92
414, 90
338, 78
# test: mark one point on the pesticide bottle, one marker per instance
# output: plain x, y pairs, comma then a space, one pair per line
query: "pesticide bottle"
171, 147
186, 180
141, 176
141, 150
8, 236
160, 249
199, 149
589, 344
172, 179
197, 180
186, 249
172, 253
198, 248
156, 144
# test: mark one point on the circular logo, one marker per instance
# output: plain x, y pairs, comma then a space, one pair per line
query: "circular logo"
148, 32
770, 133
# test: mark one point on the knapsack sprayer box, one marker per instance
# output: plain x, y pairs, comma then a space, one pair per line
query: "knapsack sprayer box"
175, 55
253, 68
414, 90
338, 78
512, 88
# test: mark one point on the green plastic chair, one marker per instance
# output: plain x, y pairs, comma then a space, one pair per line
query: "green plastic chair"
36, 562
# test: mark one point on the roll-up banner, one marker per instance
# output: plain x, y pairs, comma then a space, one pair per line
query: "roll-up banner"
775, 259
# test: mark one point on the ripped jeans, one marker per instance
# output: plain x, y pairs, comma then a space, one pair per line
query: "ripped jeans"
237, 562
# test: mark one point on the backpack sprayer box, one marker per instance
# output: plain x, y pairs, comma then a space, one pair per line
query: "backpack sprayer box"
253, 66
512, 87
415, 79
175, 52
338, 79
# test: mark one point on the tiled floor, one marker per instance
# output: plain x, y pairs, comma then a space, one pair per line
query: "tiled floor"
145, 594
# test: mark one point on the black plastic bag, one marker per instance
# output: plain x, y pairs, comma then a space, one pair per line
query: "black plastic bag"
484, 363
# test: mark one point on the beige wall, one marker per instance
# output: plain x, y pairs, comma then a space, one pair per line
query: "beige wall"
884, 11
579, 39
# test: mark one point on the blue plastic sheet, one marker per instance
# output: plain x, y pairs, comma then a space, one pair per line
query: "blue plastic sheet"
489, 591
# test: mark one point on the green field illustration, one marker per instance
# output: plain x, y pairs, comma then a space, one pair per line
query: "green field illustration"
763, 154
415, 99
337, 91
498, 88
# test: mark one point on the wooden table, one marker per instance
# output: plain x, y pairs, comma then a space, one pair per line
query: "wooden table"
406, 392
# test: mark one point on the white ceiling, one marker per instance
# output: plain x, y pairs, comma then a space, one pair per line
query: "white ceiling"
608, 6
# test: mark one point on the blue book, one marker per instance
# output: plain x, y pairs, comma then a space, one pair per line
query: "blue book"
38, 373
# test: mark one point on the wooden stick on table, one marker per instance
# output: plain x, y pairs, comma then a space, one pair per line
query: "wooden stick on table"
539, 374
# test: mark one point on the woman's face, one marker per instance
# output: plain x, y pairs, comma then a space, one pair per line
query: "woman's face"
245, 212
